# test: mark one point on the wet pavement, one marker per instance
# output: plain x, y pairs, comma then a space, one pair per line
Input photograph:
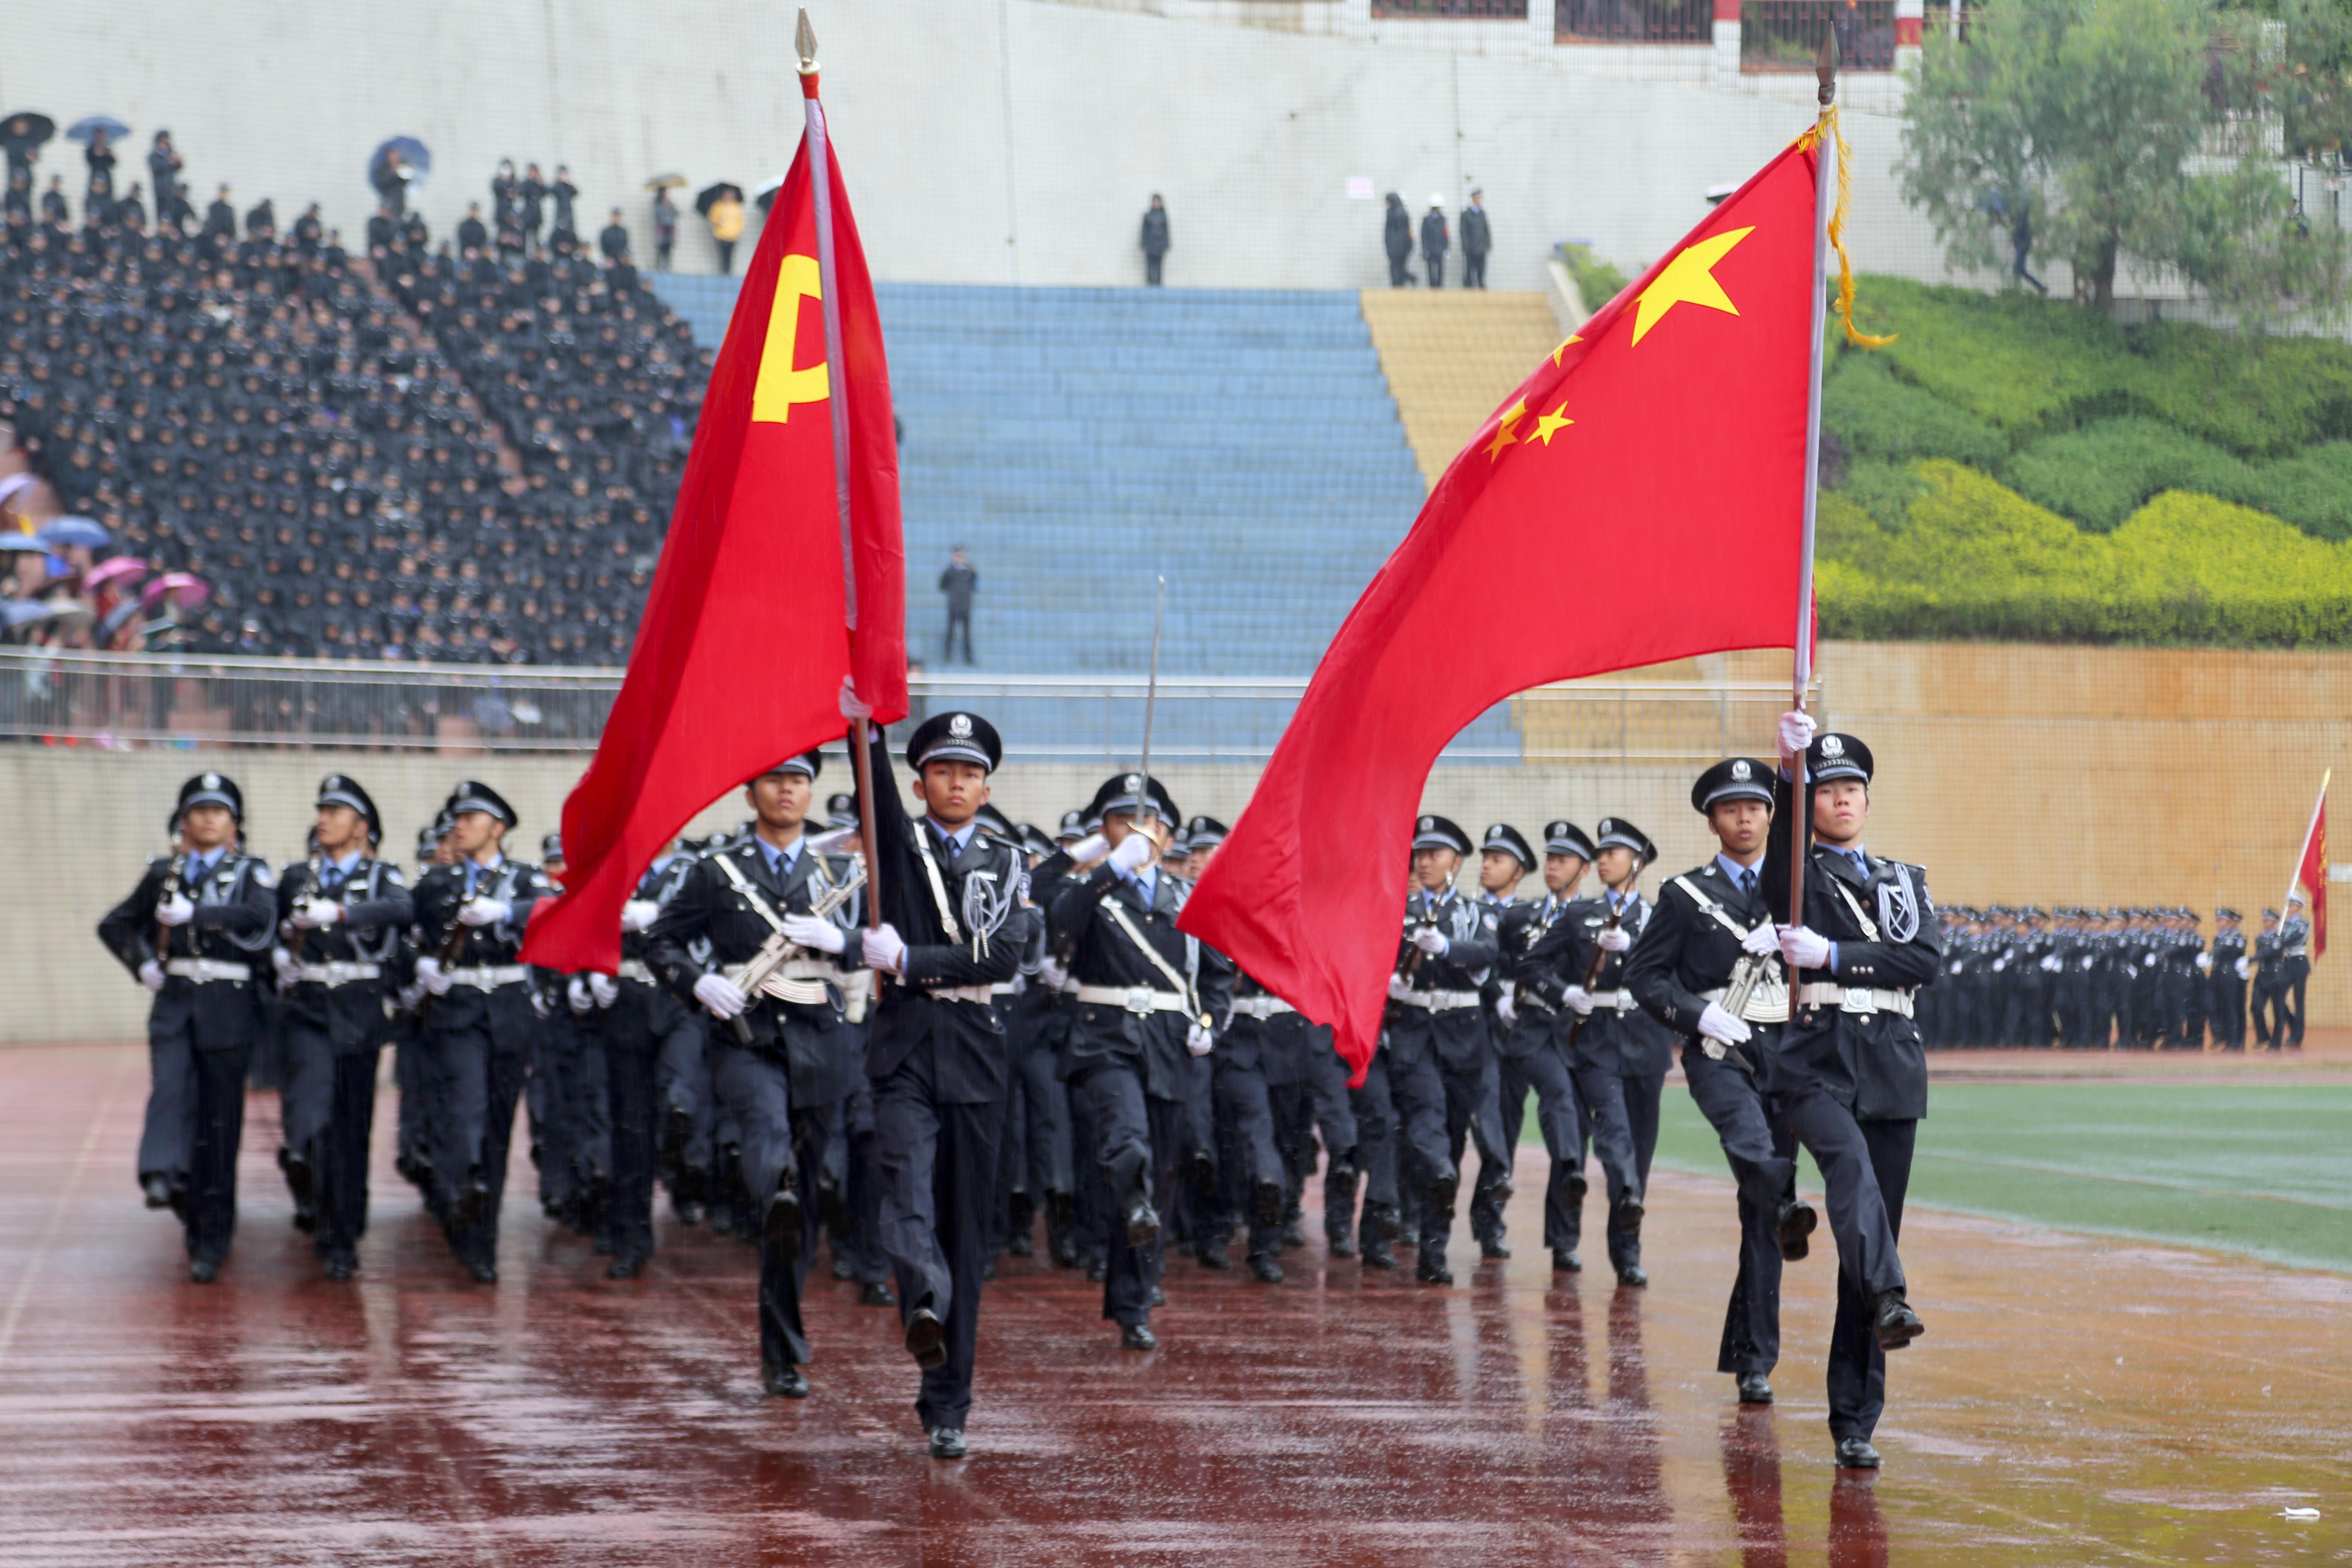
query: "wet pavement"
2075, 1401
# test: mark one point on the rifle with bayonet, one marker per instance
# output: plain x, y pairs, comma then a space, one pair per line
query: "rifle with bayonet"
760, 971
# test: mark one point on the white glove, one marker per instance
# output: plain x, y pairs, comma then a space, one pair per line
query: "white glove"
1805, 948
604, 988
1398, 988
2245, 969
1431, 940
884, 949
851, 708
151, 975
176, 911
2051, 966
485, 911
312, 913
638, 914
721, 995
1717, 1025
412, 994
1761, 943
1616, 941
1797, 732
1578, 1000
1999, 964
1199, 1041
1507, 1011
434, 978
1089, 850
2205, 961
1134, 852
1052, 976
576, 993
284, 962
541, 1002
820, 935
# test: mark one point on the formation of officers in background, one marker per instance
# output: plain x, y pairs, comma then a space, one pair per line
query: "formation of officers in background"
2129, 979
1018, 1044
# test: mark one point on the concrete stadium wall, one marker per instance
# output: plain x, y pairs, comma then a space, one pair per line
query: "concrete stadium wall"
2015, 774
993, 143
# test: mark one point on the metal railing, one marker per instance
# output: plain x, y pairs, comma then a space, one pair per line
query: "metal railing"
142, 702
1786, 35
1453, 10
1633, 22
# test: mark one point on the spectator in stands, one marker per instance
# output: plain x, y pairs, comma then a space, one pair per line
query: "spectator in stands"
18, 206
1396, 235
1155, 239
99, 197
164, 179
503, 188
1475, 241
309, 231
665, 229
531, 204
382, 229
1434, 242
472, 238
220, 218
53, 203
959, 582
16, 139
614, 241
565, 192
726, 216
261, 220
131, 212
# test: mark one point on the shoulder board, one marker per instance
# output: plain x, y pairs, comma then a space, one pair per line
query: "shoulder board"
263, 874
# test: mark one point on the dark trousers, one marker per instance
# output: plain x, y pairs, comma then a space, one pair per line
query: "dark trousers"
1417, 1089
2291, 1001
167, 1141
938, 1163
2226, 1009
1373, 1110
1473, 1117
1399, 272
339, 1155
1559, 1119
1252, 1175
1151, 270
1762, 1155
307, 1100
1610, 1104
483, 1075
1435, 266
862, 1190
1045, 1126
1136, 1142
726, 249
1474, 269
958, 619
211, 1168
630, 1075
1865, 1170
2270, 1013
780, 1143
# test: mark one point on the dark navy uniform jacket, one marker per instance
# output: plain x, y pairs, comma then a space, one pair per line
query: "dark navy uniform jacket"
1456, 1036
377, 911
1624, 1041
439, 893
1101, 953
236, 922
1685, 950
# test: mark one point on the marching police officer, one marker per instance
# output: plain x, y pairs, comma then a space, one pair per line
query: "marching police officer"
784, 1055
1536, 942
953, 926
2295, 953
191, 932
2269, 984
1708, 967
1504, 862
1850, 1078
1440, 1066
479, 1026
2225, 979
346, 913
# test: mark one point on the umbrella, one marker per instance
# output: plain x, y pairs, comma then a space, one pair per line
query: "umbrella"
89, 126
711, 194
66, 533
666, 181
116, 619
106, 572
184, 590
38, 128
21, 544
15, 613
765, 196
406, 151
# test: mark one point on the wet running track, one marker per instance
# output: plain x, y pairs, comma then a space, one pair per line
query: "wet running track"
2075, 1401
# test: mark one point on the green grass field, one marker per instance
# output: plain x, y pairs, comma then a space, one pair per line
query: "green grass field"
2260, 1170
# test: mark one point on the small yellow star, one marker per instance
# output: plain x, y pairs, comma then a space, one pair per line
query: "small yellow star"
1687, 278
1573, 338
1551, 424
1502, 437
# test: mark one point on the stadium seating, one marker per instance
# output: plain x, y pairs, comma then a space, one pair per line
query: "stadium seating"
1452, 356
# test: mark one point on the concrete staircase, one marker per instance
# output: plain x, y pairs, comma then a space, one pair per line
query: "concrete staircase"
1452, 356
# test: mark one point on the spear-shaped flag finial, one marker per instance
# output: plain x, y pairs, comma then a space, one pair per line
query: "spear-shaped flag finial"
1825, 63
804, 40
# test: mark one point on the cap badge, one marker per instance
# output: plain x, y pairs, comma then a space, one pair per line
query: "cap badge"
960, 726
1832, 746
1740, 770
211, 781
1427, 823
1134, 782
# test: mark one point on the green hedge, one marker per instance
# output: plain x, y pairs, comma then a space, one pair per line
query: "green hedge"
1977, 559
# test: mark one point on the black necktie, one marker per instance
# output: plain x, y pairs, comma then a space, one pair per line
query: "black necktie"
951, 848
1747, 883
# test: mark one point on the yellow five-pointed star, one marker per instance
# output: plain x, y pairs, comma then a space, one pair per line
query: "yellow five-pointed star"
1689, 278
1571, 338
1550, 425
1502, 437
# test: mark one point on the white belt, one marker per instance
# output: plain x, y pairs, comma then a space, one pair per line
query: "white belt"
1855, 999
1261, 1008
1439, 1001
1134, 998
1614, 1001
204, 969
980, 994
489, 976
1003, 988
637, 969
336, 974
790, 969
1759, 1010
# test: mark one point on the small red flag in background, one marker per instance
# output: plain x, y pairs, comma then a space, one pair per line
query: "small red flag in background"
1651, 471
2312, 871
742, 648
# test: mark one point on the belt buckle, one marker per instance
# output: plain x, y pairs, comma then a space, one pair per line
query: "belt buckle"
1625, 1002
1857, 1000
1138, 998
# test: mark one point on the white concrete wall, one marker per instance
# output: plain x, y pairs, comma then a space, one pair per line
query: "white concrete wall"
986, 141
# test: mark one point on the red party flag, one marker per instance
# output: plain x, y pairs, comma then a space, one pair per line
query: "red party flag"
2311, 871
1652, 474
783, 573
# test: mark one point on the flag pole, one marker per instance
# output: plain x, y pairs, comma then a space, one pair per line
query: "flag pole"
2294, 878
1801, 834
819, 165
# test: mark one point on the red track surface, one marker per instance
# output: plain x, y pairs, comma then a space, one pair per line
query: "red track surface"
2075, 1401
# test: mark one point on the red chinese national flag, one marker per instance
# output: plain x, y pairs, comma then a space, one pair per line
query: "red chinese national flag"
746, 637
2313, 872
1652, 473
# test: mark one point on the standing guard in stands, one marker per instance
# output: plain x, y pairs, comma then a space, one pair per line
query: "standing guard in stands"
784, 1054
191, 932
479, 1026
1850, 1079
1149, 999
346, 914
1708, 967
1538, 943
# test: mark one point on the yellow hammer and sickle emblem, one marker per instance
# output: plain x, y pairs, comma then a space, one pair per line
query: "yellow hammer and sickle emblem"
781, 385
